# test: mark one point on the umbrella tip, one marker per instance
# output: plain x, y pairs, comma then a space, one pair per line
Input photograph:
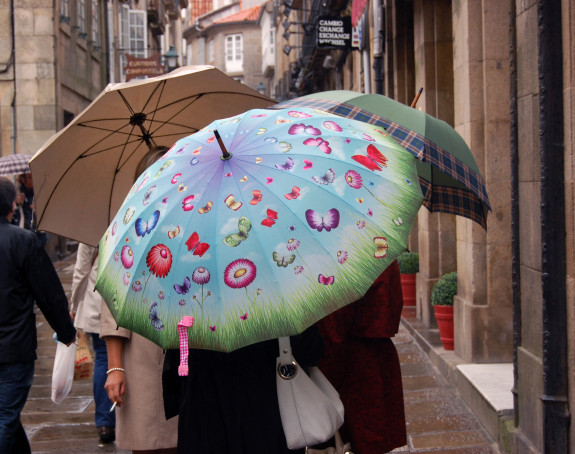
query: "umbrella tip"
225, 153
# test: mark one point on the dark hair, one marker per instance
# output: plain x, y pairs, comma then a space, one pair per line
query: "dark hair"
7, 196
149, 158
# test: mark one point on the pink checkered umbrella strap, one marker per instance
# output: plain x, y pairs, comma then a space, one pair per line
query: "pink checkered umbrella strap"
185, 323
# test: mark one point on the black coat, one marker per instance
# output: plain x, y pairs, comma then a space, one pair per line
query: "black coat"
228, 403
27, 276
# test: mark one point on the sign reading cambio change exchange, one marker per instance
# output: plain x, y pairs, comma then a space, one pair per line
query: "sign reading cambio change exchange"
140, 67
334, 32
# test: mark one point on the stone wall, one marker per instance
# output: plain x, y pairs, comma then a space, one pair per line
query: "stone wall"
529, 355
483, 306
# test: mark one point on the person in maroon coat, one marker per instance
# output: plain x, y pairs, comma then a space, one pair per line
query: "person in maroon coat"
361, 362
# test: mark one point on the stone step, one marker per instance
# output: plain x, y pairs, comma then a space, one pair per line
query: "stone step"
485, 388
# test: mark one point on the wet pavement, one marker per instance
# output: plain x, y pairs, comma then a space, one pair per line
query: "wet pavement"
438, 420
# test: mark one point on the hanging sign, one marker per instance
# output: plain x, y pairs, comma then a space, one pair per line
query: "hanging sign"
140, 67
333, 31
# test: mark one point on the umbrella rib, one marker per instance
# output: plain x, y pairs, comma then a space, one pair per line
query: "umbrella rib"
168, 121
126, 102
193, 99
154, 111
111, 131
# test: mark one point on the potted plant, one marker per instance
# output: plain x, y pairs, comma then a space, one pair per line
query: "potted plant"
408, 266
442, 301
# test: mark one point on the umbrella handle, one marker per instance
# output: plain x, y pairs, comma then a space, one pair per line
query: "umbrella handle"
414, 102
225, 153
186, 322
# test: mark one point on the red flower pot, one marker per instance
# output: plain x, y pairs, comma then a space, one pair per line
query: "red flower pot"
408, 289
444, 316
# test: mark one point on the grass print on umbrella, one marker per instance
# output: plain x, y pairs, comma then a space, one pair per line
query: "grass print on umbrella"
277, 301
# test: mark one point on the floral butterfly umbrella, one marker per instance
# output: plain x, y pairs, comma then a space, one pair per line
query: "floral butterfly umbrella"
256, 227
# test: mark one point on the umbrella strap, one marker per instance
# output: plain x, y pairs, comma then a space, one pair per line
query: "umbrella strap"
185, 323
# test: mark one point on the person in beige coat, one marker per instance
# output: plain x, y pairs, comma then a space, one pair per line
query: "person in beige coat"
85, 305
135, 384
135, 379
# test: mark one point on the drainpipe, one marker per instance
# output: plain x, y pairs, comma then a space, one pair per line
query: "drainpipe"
515, 240
12, 63
378, 14
556, 417
365, 52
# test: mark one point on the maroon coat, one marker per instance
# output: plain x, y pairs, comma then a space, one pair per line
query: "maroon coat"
362, 363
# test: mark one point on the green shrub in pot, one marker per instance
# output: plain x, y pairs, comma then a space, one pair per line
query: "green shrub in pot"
408, 262
444, 290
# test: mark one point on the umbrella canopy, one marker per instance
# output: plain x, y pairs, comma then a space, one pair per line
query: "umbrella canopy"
257, 227
448, 174
14, 164
83, 173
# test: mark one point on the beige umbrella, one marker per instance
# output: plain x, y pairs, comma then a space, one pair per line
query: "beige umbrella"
83, 173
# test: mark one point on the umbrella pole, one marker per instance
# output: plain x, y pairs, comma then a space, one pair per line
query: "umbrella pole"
225, 153
414, 102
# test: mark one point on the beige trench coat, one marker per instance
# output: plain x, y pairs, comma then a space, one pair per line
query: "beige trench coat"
140, 422
85, 302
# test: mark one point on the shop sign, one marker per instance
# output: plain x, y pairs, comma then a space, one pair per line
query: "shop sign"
333, 31
141, 67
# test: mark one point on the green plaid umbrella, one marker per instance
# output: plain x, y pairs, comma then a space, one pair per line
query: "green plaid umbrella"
448, 174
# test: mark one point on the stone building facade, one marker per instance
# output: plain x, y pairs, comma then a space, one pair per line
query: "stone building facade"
229, 38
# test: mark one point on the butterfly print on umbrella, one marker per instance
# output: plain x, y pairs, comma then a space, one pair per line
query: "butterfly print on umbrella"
235, 239
327, 178
193, 243
374, 160
303, 129
154, 319
184, 288
294, 194
328, 221
320, 143
231, 203
283, 260
257, 197
325, 280
142, 227
382, 247
208, 206
287, 166
271, 218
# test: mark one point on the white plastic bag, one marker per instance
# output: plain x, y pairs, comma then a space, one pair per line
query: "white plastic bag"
63, 372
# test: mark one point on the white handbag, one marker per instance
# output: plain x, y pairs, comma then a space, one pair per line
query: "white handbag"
310, 408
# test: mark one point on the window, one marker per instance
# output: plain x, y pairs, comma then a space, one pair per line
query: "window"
211, 51
81, 18
137, 44
189, 55
202, 51
234, 53
95, 25
112, 51
65, 11
124, 28
132, 35
272, 40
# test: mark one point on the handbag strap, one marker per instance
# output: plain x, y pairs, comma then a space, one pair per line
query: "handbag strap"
285, 350
287, 367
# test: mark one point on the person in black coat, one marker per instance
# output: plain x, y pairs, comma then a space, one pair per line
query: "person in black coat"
229, 402
26, 276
